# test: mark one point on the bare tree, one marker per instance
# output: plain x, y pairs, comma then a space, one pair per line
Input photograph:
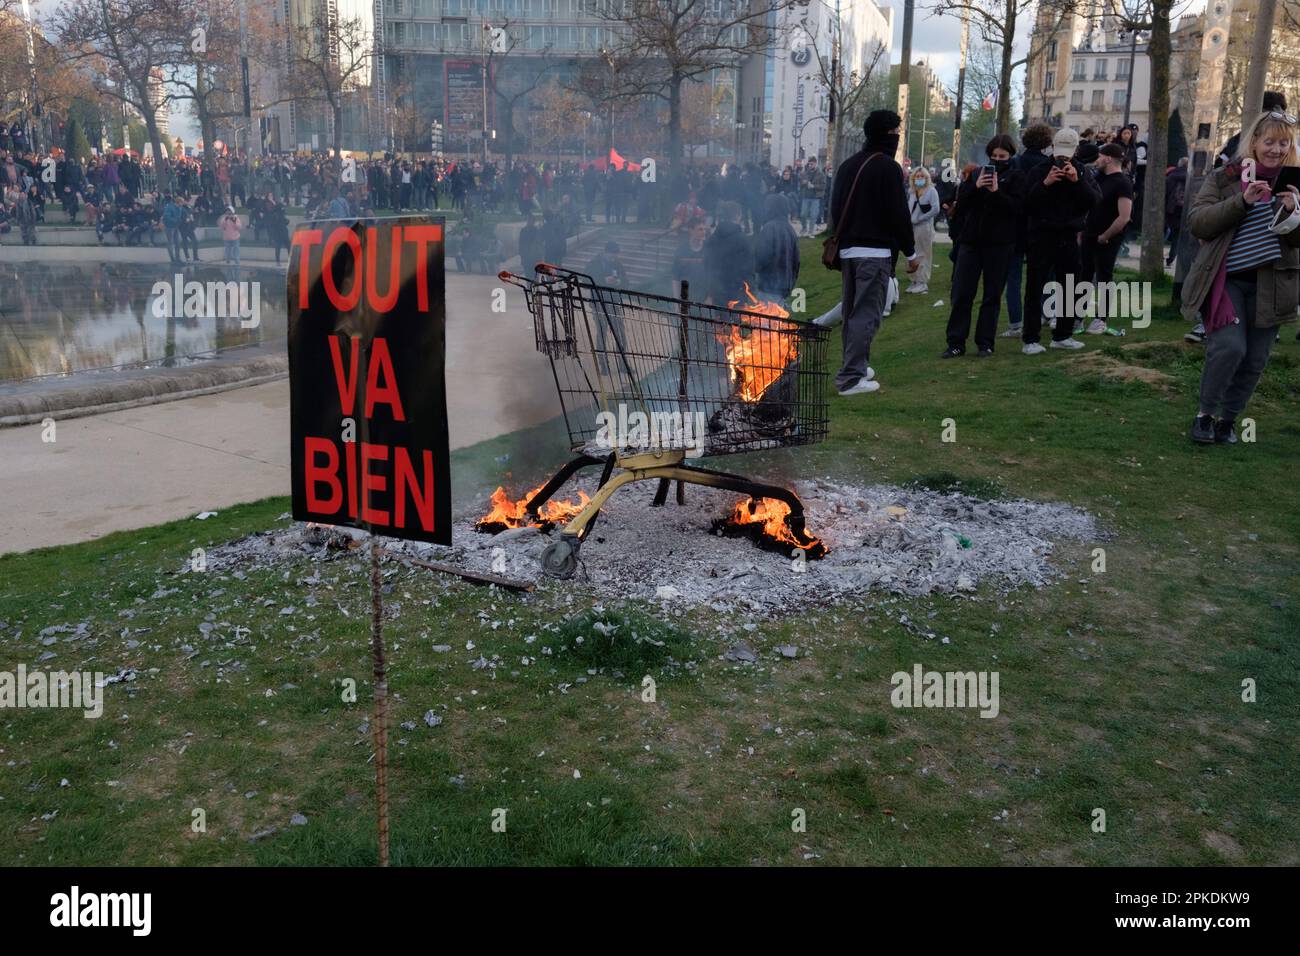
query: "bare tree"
1153, 16
329, 59
609, 89
522, 83
674, 41
61, 82
208, 73
134, 42
999, 23
846, 91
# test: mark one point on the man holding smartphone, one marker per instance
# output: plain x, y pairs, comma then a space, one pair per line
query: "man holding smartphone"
1056, 206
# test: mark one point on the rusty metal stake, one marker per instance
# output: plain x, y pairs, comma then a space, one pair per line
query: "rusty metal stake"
381, 696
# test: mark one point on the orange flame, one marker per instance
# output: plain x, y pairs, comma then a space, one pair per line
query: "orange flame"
756, 305
759, 353
773, 515
509, 513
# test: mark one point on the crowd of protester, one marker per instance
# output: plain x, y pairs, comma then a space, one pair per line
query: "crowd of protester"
1056, 210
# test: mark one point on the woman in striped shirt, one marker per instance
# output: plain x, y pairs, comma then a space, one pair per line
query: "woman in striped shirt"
1245, 280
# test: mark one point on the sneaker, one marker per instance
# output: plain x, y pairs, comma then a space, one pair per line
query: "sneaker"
1013, 332
1097, 327
861, 388
919, 289
1066, 344
1203, 430
952, 352
828, 320
1051, 324
1223, 432
871, 373
986, 353
1196, 335
1033, 348
1078, 327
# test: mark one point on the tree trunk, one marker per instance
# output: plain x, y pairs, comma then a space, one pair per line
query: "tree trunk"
1004, 78
675, 122
338, 143
207, 128
161, 160
1152, 264
507, 113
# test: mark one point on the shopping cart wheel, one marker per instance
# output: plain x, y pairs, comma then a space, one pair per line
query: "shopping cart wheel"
560, 559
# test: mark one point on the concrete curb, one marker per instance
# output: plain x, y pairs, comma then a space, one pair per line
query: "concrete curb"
31, 405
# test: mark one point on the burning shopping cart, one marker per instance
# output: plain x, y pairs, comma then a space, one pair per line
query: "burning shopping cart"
647, 382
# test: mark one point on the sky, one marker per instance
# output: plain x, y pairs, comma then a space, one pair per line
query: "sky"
937, 39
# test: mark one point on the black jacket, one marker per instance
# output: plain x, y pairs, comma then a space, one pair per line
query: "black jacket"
776, 250
1061, 207
1030, 164
728, 262
879, 217
990, 218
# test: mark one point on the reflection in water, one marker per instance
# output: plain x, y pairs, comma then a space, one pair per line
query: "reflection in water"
63, 317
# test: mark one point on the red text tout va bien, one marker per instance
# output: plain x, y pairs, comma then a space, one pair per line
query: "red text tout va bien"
333, 479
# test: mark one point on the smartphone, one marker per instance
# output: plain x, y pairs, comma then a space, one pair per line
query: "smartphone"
1289, 176
988, 170
1060, 162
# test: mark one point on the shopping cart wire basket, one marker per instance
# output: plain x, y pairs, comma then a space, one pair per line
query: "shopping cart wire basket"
646, 382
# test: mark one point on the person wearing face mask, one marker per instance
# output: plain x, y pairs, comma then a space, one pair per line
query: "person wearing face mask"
1056, 205
923, 202
1245, 279
989, 201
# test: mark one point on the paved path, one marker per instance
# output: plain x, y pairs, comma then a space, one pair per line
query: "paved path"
157, 463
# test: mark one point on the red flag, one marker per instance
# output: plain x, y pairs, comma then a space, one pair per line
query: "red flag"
619, 163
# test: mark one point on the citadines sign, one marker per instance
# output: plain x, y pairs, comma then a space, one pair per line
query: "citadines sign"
368, 402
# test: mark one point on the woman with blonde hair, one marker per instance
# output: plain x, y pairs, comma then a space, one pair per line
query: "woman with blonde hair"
923, 202
1245, 280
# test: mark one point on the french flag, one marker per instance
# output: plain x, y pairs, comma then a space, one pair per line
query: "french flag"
990, 102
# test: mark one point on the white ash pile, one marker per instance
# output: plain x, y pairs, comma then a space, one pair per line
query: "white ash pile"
904, 540
909, 541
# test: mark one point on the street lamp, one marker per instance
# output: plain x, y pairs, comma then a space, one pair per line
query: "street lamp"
1132, 59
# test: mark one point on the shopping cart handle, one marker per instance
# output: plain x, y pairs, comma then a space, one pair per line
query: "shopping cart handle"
546, 269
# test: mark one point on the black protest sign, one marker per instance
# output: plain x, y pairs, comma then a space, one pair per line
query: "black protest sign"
367, 351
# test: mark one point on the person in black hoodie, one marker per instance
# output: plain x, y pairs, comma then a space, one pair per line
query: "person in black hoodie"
776, 250
728, 257
1056, 206
871, 231
1037, 143
990, 203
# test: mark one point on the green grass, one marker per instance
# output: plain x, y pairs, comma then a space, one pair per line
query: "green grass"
1120, 690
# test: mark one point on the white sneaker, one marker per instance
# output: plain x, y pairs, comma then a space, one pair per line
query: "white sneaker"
863, 386
1032, 348
828, 320
1011, 333
1052, 325
871, 373
918, 289
1097, 327
1067, 344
